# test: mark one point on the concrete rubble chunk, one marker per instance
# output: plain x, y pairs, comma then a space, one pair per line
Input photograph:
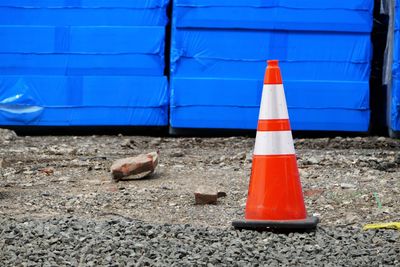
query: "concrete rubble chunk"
134, 168
207, 195
7, 135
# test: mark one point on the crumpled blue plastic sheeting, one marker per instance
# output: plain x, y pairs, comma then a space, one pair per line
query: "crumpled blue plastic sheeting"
218, 62
90, 100
18, 101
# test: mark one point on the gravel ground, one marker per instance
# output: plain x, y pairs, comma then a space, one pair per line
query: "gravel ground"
69, 241
58, 205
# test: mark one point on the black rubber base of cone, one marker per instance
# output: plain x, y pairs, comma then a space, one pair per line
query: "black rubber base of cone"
307, 225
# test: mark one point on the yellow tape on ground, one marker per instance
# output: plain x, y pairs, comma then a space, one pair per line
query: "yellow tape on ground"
390, 225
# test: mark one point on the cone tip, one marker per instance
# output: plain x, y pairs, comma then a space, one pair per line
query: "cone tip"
272, 73
273, 63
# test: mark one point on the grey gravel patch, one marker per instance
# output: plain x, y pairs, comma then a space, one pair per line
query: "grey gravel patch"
70, 241
104, 227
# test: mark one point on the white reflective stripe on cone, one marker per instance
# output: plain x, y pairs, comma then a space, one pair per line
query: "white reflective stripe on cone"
274, 143
273, 103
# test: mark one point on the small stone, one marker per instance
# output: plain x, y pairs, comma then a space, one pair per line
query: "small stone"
166, 187
303, 173
8, 135
351, 218
47, 171
205, 195
313, 192
1, 163
129, 143
397, 159
135, 167
177, 154
72, 151
367, 179
178, 166
241, 156
98, 167
347, 186
156, 142
312, 160
381, 139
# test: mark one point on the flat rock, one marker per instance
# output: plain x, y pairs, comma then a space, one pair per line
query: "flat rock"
207, 195
133, 168
205, 198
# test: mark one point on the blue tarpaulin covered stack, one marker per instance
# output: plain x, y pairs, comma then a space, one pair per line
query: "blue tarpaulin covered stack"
395, 93
69, 62
392, 66
219, 49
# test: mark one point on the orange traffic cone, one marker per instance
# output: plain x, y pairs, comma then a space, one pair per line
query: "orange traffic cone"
275, 198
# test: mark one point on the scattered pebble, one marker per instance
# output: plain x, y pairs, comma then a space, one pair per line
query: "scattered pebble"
347, 186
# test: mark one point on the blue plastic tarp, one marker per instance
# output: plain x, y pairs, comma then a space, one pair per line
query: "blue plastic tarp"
83, 62
394, 120
86, 39
246, 118
366, 5
249, 45
218, 62
393, 84
85, 3
299, 94
303, 55
83, 100
83, 17
332, 108
322, 70
338, 15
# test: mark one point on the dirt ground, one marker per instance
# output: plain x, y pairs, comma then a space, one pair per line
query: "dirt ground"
345, 180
